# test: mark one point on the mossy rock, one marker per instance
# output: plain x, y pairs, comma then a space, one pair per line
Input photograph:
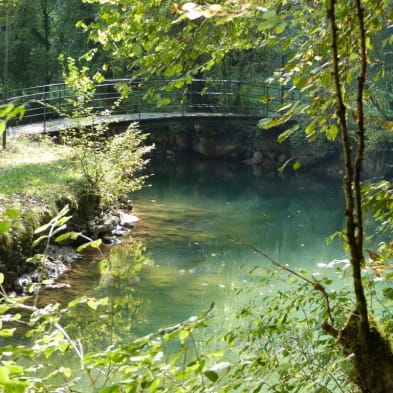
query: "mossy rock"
16, 245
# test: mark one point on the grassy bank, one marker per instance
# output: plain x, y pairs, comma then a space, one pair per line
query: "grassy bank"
36, 175
94, 176
36, 169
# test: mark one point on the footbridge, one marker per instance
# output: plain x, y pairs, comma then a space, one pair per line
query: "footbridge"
49, 108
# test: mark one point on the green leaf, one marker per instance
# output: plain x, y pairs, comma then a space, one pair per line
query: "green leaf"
83, 247
4, 375
59, 229
154, 385
96, 243
1, 280
280, 28
102, 265
183, 334
332, 132
78, 301
212, 375
4, 226
93, 304
68, 235
284, 165
179, 83
388, 292
13, 213
296, 165
42, 228
163, 102
34, 258
3, 307
98, 77
63, 220
66, 372
5, 110
284, 136
284, 107
310, 129
39, 240
7, 332
137, 49
270, 15
265, 99
15, 369
16, 387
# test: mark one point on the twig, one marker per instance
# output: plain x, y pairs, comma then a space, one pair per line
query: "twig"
315, 283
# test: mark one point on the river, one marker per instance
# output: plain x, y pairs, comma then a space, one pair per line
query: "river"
186, 214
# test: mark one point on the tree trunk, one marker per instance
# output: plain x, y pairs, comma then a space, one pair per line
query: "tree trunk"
372, 354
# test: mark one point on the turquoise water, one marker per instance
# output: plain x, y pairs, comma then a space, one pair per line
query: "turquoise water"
186, 215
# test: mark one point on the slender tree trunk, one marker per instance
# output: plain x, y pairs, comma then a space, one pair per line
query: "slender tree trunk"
372, 354
46, 37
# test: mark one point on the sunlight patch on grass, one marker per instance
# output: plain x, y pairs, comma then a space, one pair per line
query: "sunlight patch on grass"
36, 169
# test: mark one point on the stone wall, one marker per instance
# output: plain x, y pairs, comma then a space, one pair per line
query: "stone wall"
237, 139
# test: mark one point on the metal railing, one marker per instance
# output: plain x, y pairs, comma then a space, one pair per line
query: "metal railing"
48, 102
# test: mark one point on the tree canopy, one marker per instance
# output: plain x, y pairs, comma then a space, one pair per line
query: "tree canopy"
337, 54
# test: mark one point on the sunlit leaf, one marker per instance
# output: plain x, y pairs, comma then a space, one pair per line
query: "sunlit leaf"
4, 226
7, 332
183, 334
296, 165
4, 375
68, 235
332, 132
42, 228
13, 213
39, 240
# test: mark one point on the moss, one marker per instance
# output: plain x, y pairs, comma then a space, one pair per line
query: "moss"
16, 245
372, 361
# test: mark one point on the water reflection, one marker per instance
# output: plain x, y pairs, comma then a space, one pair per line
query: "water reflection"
186, 216
190, 209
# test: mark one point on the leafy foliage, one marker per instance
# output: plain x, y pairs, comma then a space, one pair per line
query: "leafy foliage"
37, 32
110, 164
279, 345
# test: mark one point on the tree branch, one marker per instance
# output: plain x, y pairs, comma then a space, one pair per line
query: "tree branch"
315, 283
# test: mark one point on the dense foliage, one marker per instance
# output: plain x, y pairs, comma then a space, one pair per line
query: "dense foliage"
336, 340
33, 35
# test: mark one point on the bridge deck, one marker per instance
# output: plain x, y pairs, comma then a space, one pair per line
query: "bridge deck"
54, 126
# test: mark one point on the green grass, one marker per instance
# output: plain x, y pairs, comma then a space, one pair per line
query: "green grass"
36, 169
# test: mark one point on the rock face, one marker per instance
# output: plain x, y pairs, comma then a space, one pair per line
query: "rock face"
214, 147
241, 139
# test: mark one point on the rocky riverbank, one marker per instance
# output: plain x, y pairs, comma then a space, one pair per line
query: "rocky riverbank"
16, 244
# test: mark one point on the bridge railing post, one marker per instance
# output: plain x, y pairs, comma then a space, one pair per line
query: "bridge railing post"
226, 94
